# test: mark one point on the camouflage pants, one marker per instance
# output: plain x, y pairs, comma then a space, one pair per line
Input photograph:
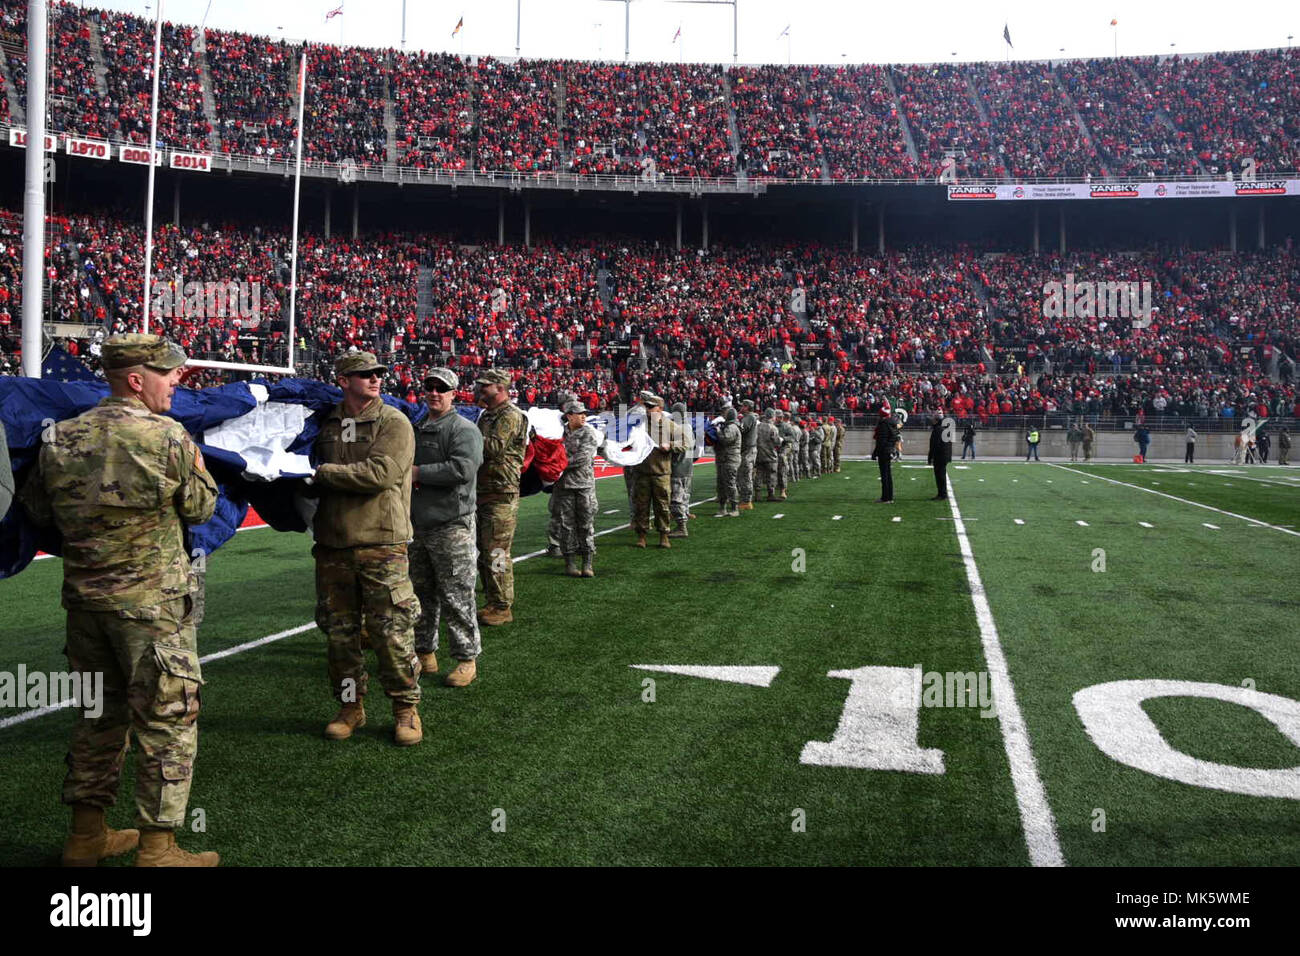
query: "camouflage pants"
785, 465
554, 536
827, 454
150, 661
651, 489
680, 498
577, 520
765, 475
366, 592
814, 461
726, 485
745, 477
497, 514
442, 571
835, 455
629, 482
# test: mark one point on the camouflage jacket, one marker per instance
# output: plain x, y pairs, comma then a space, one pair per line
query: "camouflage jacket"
364, 476
789, 436
815, 438
505, 440
728, 443
119, 482
748, 432
662, 431
828, 431
581, 445
768, 443
839, 434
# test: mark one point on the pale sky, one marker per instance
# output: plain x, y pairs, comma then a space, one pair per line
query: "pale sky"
821, 31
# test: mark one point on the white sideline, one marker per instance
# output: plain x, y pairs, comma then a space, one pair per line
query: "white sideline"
1035, 813
27, 715
1186, 501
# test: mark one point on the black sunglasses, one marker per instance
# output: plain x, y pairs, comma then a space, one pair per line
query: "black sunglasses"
373, 373
434, 385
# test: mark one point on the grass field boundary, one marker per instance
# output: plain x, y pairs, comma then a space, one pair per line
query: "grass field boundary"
1035, 813
278, 636
1186, 501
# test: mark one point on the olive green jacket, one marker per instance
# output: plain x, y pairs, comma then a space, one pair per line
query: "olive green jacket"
364, 477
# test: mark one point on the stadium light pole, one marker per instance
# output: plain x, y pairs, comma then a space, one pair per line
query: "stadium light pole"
34, 192
153, 166
519, 13
627, 27
735, 22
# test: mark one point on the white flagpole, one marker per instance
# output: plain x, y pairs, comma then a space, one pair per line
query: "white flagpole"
153, 166
297, 192
34, 192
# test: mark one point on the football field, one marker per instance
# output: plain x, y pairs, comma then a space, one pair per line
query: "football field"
1089, 665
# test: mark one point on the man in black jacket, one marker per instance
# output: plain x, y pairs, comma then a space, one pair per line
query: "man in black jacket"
939, 455
886, 437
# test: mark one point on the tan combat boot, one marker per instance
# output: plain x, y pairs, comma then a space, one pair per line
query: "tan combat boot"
492, 616
428, 663
571, 566
463, 674
587, 571
158, 848
409, 731
90, 840
663, 540
348, 719
640, 541
746, 506
679, 530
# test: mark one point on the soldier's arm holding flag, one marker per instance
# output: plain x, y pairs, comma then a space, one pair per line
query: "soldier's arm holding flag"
392, 452
463, 460
196, 494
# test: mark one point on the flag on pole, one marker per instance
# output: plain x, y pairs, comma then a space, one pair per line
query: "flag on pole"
784, 33
336, 12
1114, 23
678, 33
459, 23
1006, 35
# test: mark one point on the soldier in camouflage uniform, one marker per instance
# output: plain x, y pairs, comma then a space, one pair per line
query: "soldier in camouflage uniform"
120, 482
790, 448
828, 446
815, 437
448, 453
748, 453
683, 476
768, 453
839, 443
728, 456
362, 524
505, 441
575, 490
653, 476
554, 533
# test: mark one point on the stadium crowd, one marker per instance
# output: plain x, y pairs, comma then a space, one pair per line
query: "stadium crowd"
795, 324
1133, 116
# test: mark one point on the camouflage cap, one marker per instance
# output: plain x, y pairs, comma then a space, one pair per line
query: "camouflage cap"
444, 375
747, 403
494, 376
352, 362
574, 408
650, 398
769, 413
137, 348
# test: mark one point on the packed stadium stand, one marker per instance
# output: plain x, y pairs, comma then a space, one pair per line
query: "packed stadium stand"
783, 321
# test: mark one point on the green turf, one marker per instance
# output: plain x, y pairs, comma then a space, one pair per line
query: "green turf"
557, 735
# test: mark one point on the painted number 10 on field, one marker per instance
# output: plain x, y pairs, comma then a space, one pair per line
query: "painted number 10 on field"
879, 726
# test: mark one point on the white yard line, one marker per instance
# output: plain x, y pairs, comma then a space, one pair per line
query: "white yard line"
269, 638
1187, 501
1035, 813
